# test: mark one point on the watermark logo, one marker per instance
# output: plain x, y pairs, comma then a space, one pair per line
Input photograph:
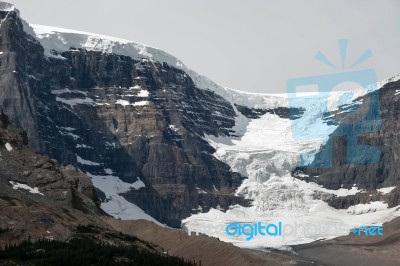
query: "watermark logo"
251, 230
284, 231
368, 231
336, 96
279, 230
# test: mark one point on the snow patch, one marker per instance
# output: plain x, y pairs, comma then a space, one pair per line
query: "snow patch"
367, 208
141, 103
108, 171
123, 102
8, 146
115, 204
6, 7
66, 90
136, 87
68, 128
75, 101
341, 192
174, 128
83, 146
80, 160
385, 190
16, 185
143, 93
67, 131
200, 191
126, 103
72, 101
138, 184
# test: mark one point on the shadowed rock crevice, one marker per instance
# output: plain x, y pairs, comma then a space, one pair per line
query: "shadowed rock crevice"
282, 112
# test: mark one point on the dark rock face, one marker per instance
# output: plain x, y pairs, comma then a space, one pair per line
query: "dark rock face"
282, 112
384, 173
3, 120
101, 111
365, 197
61, 184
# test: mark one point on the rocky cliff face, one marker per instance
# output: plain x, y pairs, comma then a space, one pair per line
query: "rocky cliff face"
111, 115
386, 171
139, 126
39, 197
149, 131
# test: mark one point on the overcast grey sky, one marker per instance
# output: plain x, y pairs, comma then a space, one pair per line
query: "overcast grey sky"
251, 45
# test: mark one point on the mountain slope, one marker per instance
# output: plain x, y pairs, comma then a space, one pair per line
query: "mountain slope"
164, 143
122, 120
39, 198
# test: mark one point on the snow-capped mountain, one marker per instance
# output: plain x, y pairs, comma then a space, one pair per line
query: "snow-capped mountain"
164, 143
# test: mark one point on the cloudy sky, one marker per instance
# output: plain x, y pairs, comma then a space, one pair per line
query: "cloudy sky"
251, 45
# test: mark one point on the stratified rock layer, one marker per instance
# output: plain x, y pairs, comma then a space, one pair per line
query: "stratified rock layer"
136, 118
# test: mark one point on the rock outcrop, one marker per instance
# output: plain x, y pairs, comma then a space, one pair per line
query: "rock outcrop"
383, 173
40, 198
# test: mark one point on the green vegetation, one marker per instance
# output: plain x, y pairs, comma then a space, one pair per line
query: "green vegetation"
84, 251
